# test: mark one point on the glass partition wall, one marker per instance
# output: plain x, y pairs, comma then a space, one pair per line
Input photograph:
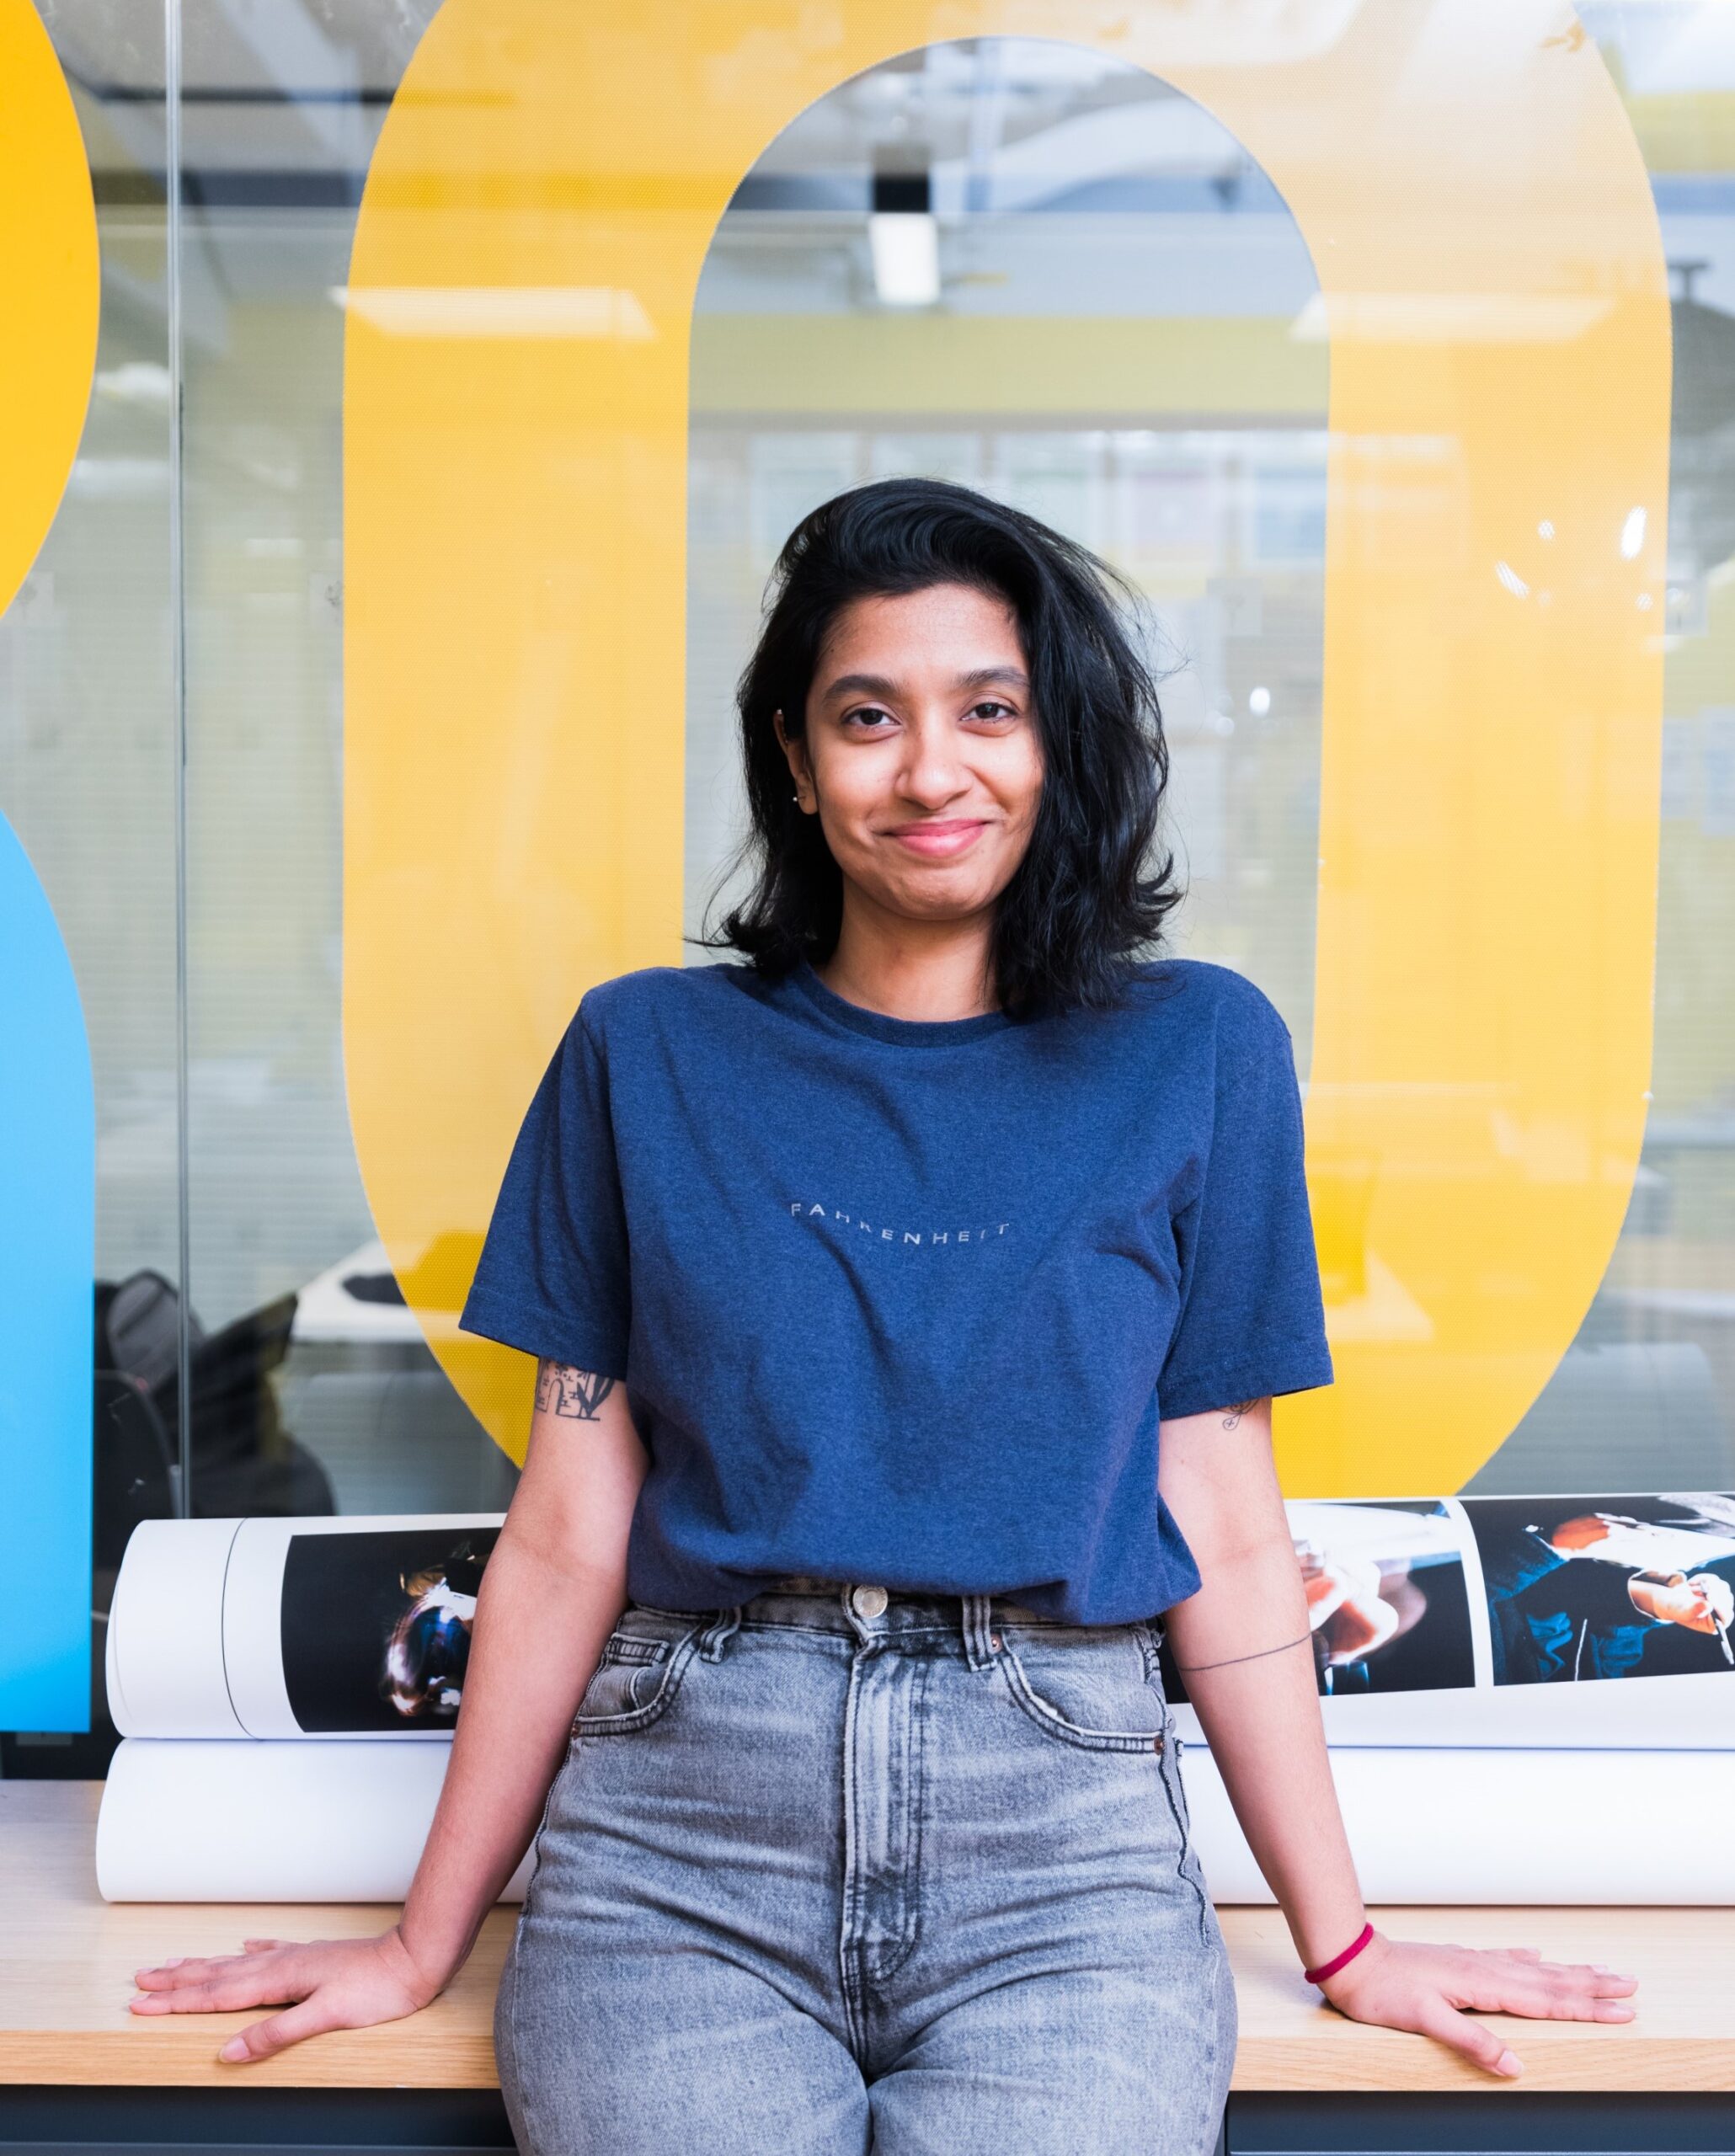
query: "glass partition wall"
1021, 263
88, 764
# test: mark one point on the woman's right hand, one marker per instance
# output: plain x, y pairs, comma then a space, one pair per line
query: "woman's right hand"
321, 1983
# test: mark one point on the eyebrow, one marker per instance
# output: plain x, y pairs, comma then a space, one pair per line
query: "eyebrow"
878, 685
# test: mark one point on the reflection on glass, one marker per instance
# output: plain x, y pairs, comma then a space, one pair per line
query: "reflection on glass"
322, 1395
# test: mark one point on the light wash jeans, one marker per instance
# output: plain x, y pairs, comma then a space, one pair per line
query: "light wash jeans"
835, 1871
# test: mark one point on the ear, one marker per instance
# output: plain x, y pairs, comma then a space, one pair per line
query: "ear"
796, 751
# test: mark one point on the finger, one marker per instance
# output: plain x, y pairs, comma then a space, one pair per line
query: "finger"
1586, 2001
1592, 1983
1574, 1988
221, 1995
1588, 1973
1598, 1978
171, 1971
264, 2039
1539, 1996
1503, 1982
188, 1969
1481, 2046
263, 1946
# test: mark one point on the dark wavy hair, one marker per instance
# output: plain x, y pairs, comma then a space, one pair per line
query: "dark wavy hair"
1090, 896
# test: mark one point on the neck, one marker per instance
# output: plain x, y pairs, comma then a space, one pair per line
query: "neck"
932, 970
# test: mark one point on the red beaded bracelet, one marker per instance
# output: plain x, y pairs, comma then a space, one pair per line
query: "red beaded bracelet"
1330, 1968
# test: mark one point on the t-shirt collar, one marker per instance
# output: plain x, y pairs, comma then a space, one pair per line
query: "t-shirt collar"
879, 1026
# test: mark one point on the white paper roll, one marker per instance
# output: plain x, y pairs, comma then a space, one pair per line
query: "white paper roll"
165, 1651
202, 1608
1501, 1826
1443, 1623
189, 1820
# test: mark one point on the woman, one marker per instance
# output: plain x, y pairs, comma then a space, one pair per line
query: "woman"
909, 1301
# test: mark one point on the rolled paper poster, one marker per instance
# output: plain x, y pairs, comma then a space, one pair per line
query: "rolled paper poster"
1633, 1827
330, 1628
230, 1820
1518, 1622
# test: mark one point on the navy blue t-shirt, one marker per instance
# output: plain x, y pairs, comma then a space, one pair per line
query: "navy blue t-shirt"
903, 1301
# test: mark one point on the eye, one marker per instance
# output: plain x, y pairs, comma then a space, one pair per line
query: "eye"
864, 714
992, 710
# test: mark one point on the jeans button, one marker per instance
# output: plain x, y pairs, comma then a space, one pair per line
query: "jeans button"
868, 1601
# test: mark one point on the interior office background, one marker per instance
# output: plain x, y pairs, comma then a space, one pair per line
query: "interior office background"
987, 184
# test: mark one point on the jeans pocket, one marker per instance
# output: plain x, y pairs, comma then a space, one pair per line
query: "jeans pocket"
1087, 1686
638, 1673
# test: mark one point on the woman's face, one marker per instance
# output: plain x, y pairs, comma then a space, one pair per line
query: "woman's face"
920, 756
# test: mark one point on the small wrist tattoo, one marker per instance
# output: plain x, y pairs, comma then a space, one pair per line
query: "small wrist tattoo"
1190, 1669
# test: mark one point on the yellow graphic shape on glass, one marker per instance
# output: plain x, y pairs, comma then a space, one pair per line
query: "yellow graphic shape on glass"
1493, 291
50, 289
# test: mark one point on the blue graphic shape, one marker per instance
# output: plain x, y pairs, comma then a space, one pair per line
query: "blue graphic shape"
47, 1262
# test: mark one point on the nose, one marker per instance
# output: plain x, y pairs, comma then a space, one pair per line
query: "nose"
932, 772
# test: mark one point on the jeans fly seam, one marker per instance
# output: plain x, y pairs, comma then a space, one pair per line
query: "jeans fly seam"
846, 1949
910, 1929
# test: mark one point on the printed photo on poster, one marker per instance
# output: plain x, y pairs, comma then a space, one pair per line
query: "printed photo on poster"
1388, 1604
1386, 1597
1586, 1588
376, 1627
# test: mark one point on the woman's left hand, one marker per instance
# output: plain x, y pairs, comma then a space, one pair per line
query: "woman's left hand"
1433, 1990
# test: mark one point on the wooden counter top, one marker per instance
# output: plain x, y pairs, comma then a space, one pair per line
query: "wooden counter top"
67, 1958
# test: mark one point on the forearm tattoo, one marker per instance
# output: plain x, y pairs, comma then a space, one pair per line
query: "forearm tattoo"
579, 1394
1232, 1415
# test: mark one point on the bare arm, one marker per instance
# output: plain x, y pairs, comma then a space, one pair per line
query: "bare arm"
1242, 1644
550, 1595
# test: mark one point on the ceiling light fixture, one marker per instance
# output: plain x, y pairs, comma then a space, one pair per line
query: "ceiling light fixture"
904, 241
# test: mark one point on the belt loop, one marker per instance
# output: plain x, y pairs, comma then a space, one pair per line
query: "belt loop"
977, 1632
717, 1634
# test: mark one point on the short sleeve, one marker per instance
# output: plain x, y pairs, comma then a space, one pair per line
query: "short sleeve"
1251, 1320
553, 1278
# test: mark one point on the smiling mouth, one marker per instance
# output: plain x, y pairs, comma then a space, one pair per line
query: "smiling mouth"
946, 835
